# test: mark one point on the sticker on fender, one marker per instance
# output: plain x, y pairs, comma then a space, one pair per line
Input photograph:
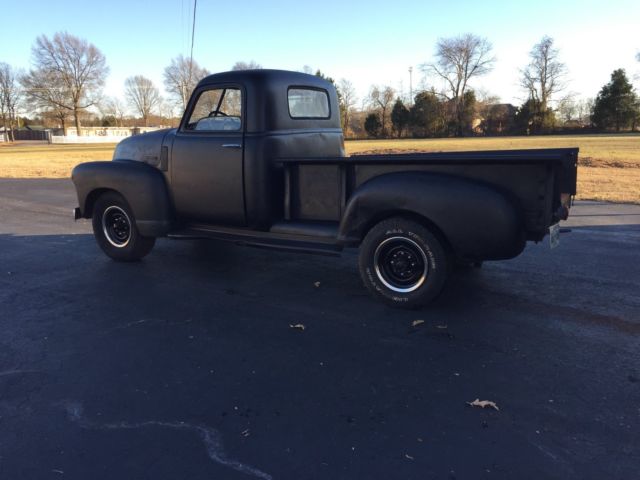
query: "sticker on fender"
554, 235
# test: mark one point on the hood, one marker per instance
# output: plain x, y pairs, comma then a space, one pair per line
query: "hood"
144, 147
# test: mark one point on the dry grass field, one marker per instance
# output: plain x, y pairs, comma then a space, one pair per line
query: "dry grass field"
609, 164
40, 160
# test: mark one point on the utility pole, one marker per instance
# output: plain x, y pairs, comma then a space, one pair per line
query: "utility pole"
410, 85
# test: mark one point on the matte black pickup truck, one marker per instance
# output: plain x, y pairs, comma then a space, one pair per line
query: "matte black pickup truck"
259, 159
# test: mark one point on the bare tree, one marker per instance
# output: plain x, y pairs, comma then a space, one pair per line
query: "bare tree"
349, 100
457, 61
142, 95
568, 108
57, 116
544, 75
181, 77
252, 65
112, 106
10, 95
45, 93
75, 66
485, 96
585, 110
381, 98
167, 113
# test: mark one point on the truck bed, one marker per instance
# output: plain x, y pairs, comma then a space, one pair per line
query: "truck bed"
318, 188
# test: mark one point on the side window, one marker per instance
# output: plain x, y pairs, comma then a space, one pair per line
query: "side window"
218, 109
308, 103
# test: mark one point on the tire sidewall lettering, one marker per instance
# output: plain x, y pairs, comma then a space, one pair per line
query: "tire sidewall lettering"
426, 241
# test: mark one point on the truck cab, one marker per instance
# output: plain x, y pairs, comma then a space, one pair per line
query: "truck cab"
220, 161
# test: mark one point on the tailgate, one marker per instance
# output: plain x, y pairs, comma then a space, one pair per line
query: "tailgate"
565, 184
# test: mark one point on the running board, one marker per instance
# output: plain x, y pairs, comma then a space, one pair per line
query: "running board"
278, 241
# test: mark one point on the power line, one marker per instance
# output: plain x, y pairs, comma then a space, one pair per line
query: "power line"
193, 30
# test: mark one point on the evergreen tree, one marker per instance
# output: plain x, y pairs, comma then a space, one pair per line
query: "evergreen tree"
400, 116
468, 114
533, 118
428, 115
616, 105
373, 125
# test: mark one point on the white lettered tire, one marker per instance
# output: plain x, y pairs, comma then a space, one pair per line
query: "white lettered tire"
403, 263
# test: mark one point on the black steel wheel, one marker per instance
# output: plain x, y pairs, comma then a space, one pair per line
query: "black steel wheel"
403, 263
116, 226
115, 229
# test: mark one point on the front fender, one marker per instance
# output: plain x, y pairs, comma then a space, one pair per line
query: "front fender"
478, 221
143, 187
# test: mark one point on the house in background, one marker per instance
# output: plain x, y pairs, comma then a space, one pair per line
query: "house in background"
497, 119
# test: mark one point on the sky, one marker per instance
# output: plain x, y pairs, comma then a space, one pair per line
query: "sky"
366, 42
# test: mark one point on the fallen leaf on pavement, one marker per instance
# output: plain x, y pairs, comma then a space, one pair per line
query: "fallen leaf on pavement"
299, 326
317, 284
406, 455
483, 404
441, 326
415, 323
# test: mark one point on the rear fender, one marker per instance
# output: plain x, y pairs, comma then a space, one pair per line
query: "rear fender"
143, 187
477, 221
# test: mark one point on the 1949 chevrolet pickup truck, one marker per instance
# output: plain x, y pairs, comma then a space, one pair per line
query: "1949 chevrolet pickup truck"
259, 159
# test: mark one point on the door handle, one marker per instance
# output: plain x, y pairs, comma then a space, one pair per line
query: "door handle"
231, 145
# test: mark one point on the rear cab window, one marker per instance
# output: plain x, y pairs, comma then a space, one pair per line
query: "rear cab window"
306, 102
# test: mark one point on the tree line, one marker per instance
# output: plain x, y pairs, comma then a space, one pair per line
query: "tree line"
68, 74
458, 110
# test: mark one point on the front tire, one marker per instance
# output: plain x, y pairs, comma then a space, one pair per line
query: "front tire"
115, 229
403, 263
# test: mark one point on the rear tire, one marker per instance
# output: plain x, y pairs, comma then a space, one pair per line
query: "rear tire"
115, 230
403, 263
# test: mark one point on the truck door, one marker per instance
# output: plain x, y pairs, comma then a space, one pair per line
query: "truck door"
207, 158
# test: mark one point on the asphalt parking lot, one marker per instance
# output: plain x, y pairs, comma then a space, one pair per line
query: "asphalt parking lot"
184, 365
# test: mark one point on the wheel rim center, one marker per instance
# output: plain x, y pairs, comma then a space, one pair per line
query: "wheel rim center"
116, 226
401, 264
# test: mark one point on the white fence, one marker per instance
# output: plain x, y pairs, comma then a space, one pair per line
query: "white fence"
100, 134
86, 139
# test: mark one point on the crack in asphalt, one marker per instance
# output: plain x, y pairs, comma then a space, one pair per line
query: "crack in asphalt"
6, 373
210, 437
